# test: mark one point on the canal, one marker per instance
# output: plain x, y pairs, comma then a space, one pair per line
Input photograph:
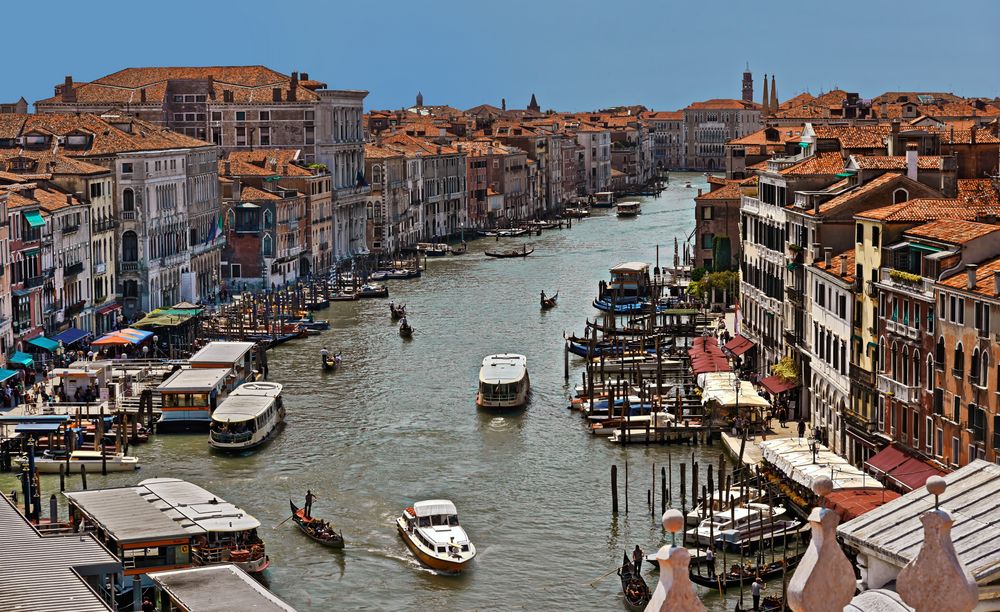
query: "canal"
398, 423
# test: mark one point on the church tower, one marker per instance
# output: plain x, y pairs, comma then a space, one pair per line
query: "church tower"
420, 98
774, 95
533, 105
763, 106
747, 84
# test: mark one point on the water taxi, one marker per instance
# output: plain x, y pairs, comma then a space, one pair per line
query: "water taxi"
431, 531
51, 463
629, 209
740, 525
250, 417
190, 396
604, 199
503, 381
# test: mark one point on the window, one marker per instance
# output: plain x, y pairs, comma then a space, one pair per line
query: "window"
706, 213
178, 116
190, 117
875, 237
916, 430
95, 190
309, 115
130, 246
957, 409
954, 451
265, 136
265, 115
236, 270
178, 98
128, 200
126, 168
929, 380
707, 240
189, 98
939, 353
996, 431
859, 232
216, 115
310, 135
939, 442
217, 136
241, 136
958, 367
241, 115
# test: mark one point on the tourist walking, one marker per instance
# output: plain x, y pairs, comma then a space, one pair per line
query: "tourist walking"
802, 428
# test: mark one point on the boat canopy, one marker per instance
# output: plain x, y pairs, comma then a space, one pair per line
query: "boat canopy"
630, 267
190, 504
434, 507
503, 368
242, 408
221, 352
194, 380
258, 389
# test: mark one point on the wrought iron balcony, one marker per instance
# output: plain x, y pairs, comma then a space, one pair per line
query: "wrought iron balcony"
34, 281
73, 269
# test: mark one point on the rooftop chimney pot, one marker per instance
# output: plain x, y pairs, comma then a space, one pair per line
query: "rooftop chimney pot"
827, 256
970, 270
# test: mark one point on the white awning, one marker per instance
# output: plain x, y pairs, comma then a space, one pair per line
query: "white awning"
434, 507
794, 458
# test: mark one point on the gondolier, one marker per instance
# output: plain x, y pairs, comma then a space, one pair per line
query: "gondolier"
310, 498
637, 558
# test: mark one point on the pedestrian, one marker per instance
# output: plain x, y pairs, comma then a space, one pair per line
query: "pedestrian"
782, 416
755, 590
309, 502
710, 561
802, 428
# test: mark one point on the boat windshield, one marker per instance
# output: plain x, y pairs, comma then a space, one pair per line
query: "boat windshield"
441, 520
501, 392
238, 431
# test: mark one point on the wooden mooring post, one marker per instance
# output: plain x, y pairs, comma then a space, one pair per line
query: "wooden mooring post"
614, 489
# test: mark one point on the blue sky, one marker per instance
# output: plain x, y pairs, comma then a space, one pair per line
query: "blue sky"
574, 55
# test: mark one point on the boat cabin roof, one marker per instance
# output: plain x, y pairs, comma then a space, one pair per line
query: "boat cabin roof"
127, 515
434, 507
630, 267
85, 454
221, 352
194, 380
629, 204
216, 587
503, 368
192, 505
257, 389
240, 408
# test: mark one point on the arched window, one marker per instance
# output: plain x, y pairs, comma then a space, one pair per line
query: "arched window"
959, 366
267, 246
894, 363
939, 353
130, 246
900, 195
915, 363
880, 356
984, 369
904, 366
929, 382
268, 219
128, 200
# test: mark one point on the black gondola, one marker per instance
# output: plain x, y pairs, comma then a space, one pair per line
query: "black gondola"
331, 363
549, 302
731, 579
771, 603
460, 250
317, 529
405, 330
397, 312
634, 588
502, 254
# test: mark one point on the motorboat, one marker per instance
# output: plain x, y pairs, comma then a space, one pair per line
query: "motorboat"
432, 249
575, 213
51, 463
433, 534
395, 274
742, 525
503, 381
604, 199
722, 503
373, 290
249, 417
631, 208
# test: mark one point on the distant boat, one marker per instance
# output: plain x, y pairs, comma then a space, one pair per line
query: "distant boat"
373, 290
604, 199
631, 208
405, 330
431, 249
431, 531
503, 381
548, 302
115, 462
524, 252
317, 529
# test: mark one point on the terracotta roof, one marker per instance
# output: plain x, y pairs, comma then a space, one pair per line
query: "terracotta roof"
953, 231
921, 209
50, 163
831, 206
730, 191
107, 139
723, 104
896, 162
252, 194
663, 115
411, 145
10, 125
48, 199
979, 192
950, 135
984, 278
854, 136
834, 267
784, 134
376, 152
802, 99
248, 83
264, 162
821, 163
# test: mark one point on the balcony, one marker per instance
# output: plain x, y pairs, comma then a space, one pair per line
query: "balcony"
129, 266
861, 376
128, 215
795, 295
53, 306
903, 393
906, 282
34, 281
100, 268
70, 229
73, 269
104, 225
75, 308
791, 338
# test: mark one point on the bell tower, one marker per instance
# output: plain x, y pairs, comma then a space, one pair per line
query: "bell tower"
747, 84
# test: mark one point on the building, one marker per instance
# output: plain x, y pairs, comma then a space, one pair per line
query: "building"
717, 223
593, 157
389, 202
669, 142
14, 108
710, 124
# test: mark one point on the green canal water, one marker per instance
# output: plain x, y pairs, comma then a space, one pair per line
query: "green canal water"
398, 423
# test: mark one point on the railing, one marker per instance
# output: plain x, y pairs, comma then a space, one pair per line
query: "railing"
75, 308
69, 229
902, 392
100, 268
861, 375
34, 281
958, 372
104, 225
231, 438
128, 215
904, 281
780, 163
129, 266
73, 268
793, 294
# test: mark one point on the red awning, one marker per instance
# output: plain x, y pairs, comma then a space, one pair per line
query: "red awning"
913, 473
777, 384
103, 310
739, 345
887, 460
852, 503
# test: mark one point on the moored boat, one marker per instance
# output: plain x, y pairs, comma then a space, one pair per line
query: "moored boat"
316, 529
604, 199
51, 464
503, 381
250, 417
629, 209
575, 213
432, 532
373, 290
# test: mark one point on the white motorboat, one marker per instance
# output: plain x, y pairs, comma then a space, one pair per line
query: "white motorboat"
746, 521
724, 503
50, 464
432, 532
503, 381
631, 208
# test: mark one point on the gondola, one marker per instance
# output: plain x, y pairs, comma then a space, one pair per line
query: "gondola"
634, 588
460, 250
549, 302
505, 254
315, 528
405, 331
397, 312
771, 603
331, 363
732, 578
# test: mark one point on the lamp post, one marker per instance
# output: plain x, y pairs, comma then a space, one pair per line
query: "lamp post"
736, 389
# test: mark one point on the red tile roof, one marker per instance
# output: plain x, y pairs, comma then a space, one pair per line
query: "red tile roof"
854, 136
264, 162
723, 104
834, 267
252, 194
921, 209
131, 134
984, 278
833, 205
953, 231
896, 162
821, 163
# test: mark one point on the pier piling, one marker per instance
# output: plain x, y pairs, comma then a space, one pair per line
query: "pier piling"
83, 476
53, 509
663, 490
62, 477
614, 489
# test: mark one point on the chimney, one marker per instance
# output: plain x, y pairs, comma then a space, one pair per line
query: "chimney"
226, 167
843, 265
305, 76
912, 157
69, 199
996, 282
68, 93
827, 256
970, 270
972, 134
142, 95
293, 86
439, 149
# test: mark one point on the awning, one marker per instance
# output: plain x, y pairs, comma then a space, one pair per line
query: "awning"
71, 336
5, 374
21, 359
777, 384
852, 503
44, 343
886, 460
122, 337
34, 218
905, 471
22, 292
739, 345
108, 309
37, 427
